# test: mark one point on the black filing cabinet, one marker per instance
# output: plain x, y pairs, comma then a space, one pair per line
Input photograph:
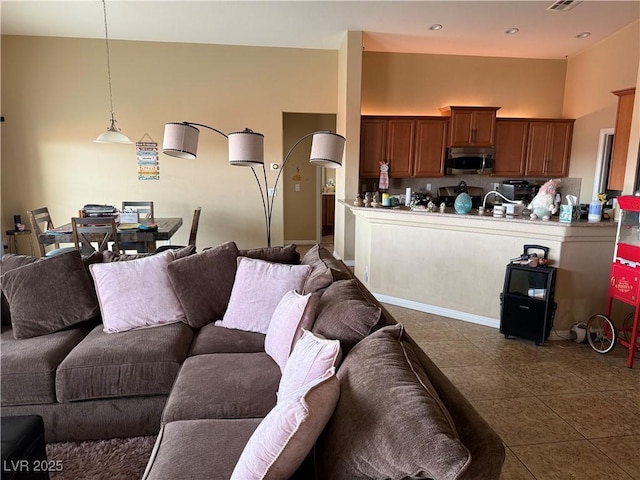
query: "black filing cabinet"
526, 303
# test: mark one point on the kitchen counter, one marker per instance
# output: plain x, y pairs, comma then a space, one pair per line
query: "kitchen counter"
454, 265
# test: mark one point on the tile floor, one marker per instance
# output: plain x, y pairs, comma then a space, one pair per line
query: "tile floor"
562, 410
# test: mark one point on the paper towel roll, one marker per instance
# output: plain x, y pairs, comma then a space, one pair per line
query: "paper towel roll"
407, 196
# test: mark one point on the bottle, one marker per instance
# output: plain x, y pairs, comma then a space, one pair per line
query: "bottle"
595, 211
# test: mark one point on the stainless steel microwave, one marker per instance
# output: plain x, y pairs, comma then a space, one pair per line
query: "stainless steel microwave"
469, 160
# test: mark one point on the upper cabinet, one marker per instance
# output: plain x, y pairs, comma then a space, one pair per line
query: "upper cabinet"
471, 126
621, 138
532, 147
549, 147
413, 146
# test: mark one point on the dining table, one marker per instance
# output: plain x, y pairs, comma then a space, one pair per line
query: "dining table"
145, 239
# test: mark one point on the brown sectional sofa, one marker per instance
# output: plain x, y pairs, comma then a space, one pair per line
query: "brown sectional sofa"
204, 389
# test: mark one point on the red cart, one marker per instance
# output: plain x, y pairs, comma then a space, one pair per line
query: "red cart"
624, 286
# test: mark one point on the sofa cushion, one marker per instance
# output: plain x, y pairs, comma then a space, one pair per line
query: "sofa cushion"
109, 256
9, 261
29, 365
280, 254
345, 314
49, 295
214, 339
287, 434
206, 449
223, 385
294, 313
311, 357
257, 290
137, 362
203, 283
382, 378
325, 269
136, 294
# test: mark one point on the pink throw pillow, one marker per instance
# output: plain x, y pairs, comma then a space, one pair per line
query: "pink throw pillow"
311, 357
293, 313
258, 288
287, 434
136, 294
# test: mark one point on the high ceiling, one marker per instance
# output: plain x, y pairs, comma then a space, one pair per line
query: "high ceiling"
469, 27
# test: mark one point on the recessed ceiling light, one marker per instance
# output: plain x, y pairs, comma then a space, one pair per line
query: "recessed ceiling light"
583, 35
512, 31
435, 27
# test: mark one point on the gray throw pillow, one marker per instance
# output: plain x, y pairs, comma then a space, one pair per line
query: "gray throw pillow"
344, 314
387, 404
203, 282
8, 262
286, 254
49, 295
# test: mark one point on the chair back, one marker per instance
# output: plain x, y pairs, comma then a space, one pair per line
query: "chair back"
194, 226
40, 221
99, 230
144, 209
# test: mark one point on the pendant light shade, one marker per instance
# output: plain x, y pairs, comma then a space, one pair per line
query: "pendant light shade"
246, 148
327, 149
180, 140
113, 133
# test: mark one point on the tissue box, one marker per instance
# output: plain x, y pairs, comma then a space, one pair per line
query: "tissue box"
568, 213
129, 217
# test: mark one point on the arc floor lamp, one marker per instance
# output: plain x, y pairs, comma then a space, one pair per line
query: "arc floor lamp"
246, 149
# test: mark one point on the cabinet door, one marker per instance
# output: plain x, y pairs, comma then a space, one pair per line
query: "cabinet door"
400, 147
549, 148
621, 138
511, 147
431, 141
461, 128
483, 128
373, 146
471, 126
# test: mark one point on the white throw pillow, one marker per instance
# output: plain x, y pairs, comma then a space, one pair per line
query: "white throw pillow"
287, 434
293, 313
136, 294
311, 357
258, 288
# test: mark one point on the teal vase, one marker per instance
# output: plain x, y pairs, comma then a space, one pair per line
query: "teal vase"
462, 205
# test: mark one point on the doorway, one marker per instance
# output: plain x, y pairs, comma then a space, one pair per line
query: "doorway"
302, 182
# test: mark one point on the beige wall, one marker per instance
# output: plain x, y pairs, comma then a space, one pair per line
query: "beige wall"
302, 207
591, 77
55, 101
412, 84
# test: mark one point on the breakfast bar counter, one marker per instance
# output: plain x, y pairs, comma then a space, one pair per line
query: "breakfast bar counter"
454, 265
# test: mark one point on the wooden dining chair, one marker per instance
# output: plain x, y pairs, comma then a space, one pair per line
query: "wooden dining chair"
145, 215
144, 209
192, 235
40, 221
98, 230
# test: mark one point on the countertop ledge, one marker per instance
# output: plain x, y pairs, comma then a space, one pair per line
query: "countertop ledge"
474, 216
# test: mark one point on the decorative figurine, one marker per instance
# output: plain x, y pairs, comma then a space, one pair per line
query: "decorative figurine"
442, 207
384, 175
358, 201
543, 204
367, 199
376, 199
431, 206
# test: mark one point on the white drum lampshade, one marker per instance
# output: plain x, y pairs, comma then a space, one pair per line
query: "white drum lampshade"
180, 140
246, 148
327, 149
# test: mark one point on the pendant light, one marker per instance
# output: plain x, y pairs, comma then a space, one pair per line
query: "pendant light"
113, 134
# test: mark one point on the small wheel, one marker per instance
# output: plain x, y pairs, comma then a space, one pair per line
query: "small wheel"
601, 333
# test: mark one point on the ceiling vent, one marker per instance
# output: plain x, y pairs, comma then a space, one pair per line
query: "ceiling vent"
563, 5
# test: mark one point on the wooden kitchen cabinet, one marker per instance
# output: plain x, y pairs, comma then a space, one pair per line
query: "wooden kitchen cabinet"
548, 148
413, 146
621, 138
328, 213
471, 126
510, 155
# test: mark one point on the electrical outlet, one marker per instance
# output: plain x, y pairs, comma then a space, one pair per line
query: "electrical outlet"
366, 273
271, 192
297, 187
428, 187
274, 166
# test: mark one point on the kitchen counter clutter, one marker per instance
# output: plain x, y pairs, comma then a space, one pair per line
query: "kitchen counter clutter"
453, 265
